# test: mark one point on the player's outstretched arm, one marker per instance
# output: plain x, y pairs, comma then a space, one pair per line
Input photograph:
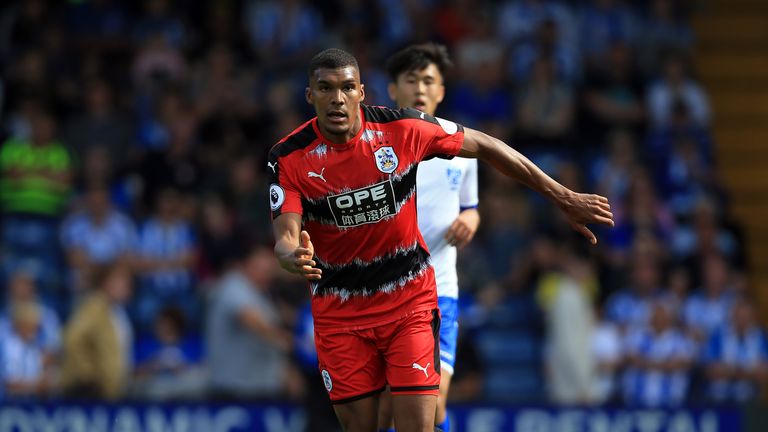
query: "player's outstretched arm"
581, 209
293, 248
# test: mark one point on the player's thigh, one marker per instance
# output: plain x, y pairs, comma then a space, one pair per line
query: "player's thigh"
386, 421
411, 353
414, 412
358, 415
350, 365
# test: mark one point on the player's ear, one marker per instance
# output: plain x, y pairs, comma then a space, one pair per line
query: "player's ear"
441, 93
362, 92
308, 95
392, 91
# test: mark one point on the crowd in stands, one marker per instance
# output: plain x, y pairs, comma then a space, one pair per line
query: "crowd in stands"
136, 236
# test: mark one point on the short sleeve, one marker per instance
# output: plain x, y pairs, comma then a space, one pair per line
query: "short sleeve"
284, 197
439, 137
468, 197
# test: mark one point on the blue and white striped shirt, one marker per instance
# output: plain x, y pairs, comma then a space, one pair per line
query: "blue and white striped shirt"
747, 351
626, 308
649, 387
707, 314
102, 243
160, 240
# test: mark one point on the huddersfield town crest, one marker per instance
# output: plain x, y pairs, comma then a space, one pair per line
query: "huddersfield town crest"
386, 160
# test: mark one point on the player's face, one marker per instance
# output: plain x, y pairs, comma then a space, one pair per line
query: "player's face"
420, 89
336, 95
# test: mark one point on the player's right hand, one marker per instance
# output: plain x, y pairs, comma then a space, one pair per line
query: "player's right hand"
303, 261
583, 209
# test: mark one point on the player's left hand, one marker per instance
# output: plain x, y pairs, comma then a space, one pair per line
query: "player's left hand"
463, 228
583, 209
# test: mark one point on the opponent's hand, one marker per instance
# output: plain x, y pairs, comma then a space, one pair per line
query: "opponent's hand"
302, 258
463, 228
583, 209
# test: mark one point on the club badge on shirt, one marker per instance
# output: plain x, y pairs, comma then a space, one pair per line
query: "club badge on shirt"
386, 159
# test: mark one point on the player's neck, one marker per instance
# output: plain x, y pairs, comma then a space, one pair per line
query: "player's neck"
343, 138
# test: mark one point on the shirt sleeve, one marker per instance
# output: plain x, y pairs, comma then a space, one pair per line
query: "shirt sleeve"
437, 137
284, 196
468, 197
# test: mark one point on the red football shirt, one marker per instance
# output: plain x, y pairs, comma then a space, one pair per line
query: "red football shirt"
358, 203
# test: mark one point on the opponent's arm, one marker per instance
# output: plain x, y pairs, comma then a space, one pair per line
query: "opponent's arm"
580, 209
293, 247
463, 228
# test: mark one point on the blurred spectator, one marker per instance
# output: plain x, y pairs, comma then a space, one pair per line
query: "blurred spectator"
247, 185
518, 20
99, 24
567, 296
157, 62
164, 260
603, 23
664, 30
95, 237
29, 79
22, 290
40, 187
35, 177
21, 23
168, 362
736, 357
659, 360
26, 368
676, 85
608, 356
705, 234
101, 125
661, 141
98, 168
98, 340
709, 309
547, 43
221, 87
244, 333
545, 106
613, 94
397, 23
284, 32
159, 19
685, 176
480, 99
612, 174
633, 306
459, 20
219, 238
642, 214
220, 27
170, 139
678, 284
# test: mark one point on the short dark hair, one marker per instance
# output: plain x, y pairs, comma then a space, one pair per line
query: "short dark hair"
418, 57
332, 58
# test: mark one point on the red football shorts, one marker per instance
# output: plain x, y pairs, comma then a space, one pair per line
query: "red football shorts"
405, 354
